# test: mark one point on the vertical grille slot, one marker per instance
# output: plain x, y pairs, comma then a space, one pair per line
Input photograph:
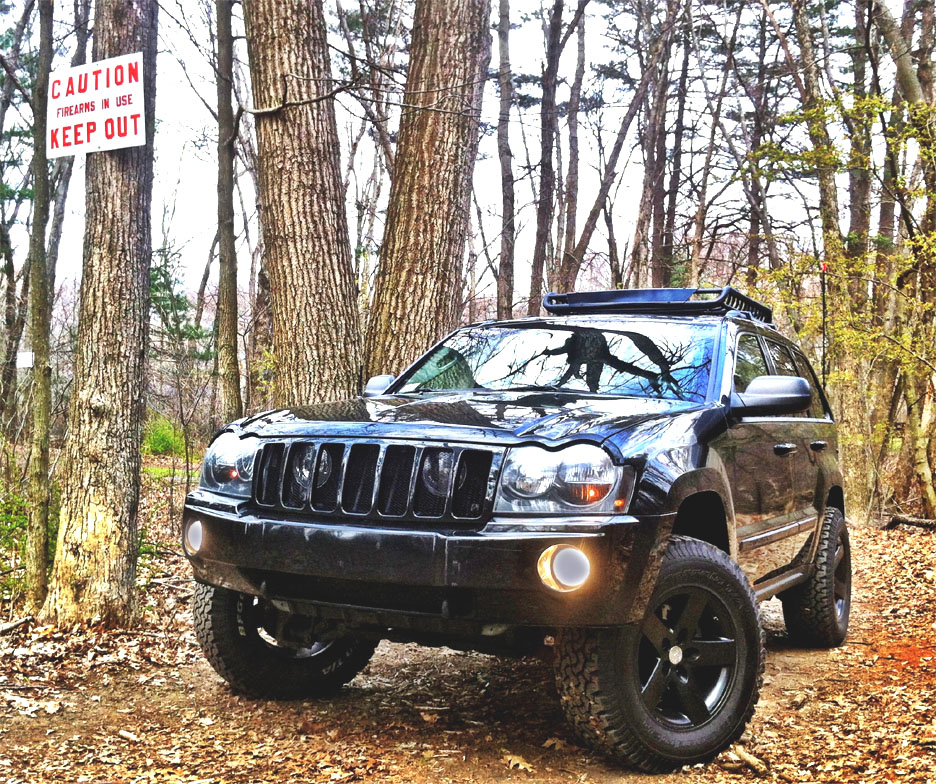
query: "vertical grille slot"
297, 479
471, 479
327, 477
357, 494
271, 474
433, 482
393, 494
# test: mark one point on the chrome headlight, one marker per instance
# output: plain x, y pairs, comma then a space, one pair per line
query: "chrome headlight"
577, 479
229, 464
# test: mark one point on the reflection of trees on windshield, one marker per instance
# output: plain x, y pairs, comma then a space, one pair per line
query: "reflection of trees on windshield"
674, 363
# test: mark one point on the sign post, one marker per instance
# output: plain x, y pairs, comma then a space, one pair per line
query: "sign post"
96, 107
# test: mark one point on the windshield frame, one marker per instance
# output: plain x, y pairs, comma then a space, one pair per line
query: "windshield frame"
618, 325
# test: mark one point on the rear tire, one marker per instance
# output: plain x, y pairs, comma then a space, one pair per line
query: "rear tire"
817, 611
682, 685
229, 627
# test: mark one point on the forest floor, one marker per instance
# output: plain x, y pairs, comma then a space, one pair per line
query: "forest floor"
144, 706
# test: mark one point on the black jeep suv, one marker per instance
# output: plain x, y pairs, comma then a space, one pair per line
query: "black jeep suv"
626, 478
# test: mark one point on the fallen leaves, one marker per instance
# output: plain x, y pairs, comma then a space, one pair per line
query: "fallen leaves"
127, 735
144, 706
516, 762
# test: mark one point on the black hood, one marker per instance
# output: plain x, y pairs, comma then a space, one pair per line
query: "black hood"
505, 417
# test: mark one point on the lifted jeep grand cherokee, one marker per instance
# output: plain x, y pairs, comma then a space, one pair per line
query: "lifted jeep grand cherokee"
629, 475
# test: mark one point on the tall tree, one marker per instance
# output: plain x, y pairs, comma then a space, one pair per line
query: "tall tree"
14, 305
95, 561
37, 530
505, 266
228, 372
556, 41
418, 292
316, 332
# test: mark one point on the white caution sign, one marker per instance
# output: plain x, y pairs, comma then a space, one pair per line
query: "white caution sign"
96, 107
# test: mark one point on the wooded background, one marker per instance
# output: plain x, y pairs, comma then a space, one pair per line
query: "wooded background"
787, 148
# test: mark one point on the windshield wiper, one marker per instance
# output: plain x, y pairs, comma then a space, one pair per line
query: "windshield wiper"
537, 388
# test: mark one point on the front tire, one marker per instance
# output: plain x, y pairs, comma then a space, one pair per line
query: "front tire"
229, 626
817, 611
681, 686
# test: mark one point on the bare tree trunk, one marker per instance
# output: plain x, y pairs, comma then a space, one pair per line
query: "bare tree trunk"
14, 316
37, 527
62, 172
669, 227
418, 289
657, 137
573, 261
614, 258
505, 267
698, 231
547, 179
229, 374
14, 322
316, 332
859, 174
549, 130
12, 55
818, 134
93, 578
572, 175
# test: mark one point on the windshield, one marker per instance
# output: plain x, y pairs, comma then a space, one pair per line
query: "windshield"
648, 359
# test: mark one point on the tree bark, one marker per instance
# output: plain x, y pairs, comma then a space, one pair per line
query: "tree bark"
14, 317
572, 175
228, 371
37, 527
62, 172
418, 289
505, 265
95, 561
14, 322
672, 194
572, 262
549, 130
316, 332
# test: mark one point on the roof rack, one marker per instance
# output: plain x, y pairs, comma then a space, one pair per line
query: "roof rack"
672, 301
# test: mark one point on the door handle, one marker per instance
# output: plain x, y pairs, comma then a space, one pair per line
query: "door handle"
818, 446
784, 449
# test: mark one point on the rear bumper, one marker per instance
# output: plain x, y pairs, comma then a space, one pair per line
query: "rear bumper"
384, 576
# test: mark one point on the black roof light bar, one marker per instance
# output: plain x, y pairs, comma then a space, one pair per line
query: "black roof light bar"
676, 302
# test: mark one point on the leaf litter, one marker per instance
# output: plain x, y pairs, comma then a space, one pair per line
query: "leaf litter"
91, 705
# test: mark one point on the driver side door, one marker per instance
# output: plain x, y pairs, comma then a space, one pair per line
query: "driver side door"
762, 473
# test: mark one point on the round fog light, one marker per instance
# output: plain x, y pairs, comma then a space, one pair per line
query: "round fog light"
193, 536
563, 567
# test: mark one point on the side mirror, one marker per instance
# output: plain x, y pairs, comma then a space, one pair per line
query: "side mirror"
772, 396
377, 385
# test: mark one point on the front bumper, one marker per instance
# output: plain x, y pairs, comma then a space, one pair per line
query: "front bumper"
361, 573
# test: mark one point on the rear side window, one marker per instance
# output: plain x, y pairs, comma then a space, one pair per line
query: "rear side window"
750, 362
782, 359
816, 410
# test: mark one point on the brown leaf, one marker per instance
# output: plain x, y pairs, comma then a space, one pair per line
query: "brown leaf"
516, 762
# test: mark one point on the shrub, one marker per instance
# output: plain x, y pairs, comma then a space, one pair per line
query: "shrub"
161, 437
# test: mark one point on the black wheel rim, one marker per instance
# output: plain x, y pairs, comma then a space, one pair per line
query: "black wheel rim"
252, 613
841, 577
687, 658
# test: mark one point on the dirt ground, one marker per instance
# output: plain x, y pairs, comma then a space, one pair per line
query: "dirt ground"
144, 706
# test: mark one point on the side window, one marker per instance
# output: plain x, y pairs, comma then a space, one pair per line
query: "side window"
816, 410
785, 366
782, 359
750, 362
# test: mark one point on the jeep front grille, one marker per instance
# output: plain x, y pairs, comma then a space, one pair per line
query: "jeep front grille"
378, 481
